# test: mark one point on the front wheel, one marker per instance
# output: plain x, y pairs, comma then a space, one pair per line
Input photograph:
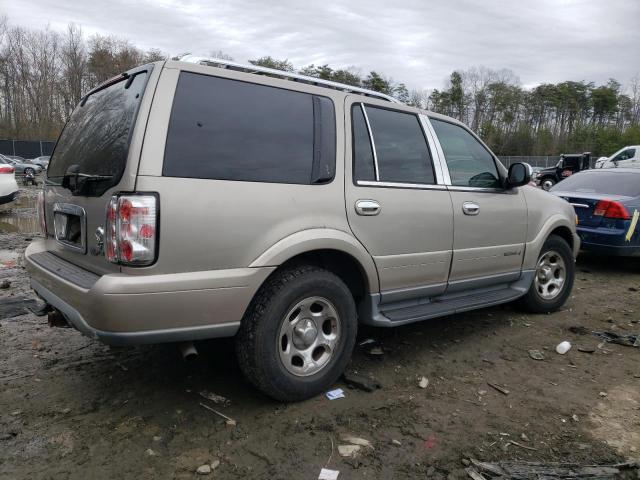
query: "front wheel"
29, 171
553, 277
298, 333
547, 183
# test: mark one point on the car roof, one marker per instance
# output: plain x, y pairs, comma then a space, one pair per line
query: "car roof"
612, 170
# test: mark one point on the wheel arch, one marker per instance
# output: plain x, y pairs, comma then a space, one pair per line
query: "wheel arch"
334, 250
555, 225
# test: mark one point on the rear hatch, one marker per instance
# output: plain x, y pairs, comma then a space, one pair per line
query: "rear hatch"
95, 156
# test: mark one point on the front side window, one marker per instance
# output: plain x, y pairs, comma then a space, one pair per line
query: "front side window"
625, 155
231, 130
469, 163
401, 149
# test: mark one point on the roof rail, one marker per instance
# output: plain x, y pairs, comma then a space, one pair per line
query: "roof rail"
295, 77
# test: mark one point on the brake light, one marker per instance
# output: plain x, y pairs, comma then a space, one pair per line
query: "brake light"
7, 169
611, 209
131, 229
41, 214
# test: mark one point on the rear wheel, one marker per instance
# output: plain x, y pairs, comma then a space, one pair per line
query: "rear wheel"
298, 333
553, 277
29, 171
547, 183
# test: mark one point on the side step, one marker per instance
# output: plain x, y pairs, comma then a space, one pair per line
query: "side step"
401, 313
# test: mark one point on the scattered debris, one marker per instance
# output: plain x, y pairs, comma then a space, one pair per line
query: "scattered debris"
497, 387
424, 382
349, 450
203, 470
5, 284
360, 381
215, 464
575, 418
363, 442
563, 347
536, 354
367, 341
396, 442
586, 349
335, 394
151, 453
375, 351
157, 438
517, 444
603, 394
549, 471
326, 474
217, 399
524, 437
229, 421
625, 340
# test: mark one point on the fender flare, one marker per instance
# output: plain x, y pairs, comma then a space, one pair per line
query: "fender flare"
534, 246
320, 239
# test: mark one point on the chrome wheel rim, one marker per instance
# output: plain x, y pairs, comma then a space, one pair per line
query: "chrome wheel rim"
309, 335
551, 274
547, 184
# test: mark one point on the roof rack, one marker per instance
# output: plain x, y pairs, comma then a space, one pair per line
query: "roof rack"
295, 77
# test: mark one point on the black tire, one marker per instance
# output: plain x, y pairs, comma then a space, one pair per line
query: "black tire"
547, 183
29, 171
257, 341
533, 301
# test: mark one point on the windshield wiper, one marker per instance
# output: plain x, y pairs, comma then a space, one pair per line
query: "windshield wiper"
75, 181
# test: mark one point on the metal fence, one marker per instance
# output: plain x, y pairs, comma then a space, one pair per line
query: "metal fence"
26, 148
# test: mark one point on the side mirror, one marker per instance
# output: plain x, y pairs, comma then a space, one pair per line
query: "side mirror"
519, 174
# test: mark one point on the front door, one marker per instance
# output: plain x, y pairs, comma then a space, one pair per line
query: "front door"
490, 223
397, 205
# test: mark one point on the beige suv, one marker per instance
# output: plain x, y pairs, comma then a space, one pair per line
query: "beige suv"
200, 198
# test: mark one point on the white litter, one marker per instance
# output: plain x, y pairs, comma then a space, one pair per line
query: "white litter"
348, 450
335, 394
563, 347
363, 442
326, 474
424, 382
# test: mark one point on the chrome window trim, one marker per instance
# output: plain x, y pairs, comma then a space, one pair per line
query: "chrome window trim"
446, 177
437, 160
457, 188
373, 143
418, 186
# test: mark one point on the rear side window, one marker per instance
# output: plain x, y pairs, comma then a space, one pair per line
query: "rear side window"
469, 163
231, 130
401, 149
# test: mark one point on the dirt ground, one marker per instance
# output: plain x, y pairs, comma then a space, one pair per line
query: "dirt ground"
73, 408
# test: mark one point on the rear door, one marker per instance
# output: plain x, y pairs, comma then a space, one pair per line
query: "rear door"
490, 223
397, 204
98, 153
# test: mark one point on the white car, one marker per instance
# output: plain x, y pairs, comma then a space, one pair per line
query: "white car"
8, 185
627, 157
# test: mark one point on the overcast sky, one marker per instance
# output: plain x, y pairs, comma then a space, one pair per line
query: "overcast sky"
416, 42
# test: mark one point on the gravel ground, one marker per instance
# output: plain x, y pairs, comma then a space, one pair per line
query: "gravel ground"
73, 408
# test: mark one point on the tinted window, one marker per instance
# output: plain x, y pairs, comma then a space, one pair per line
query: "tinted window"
363, 168
96, 137
602, 182
231, 130
401, 149
469, 163
625, 155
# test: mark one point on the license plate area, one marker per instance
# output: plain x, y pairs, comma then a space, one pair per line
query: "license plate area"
70, 225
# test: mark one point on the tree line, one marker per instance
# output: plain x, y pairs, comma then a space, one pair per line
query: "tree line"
44, 73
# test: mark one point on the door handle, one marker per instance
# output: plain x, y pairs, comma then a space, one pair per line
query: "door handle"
367, 207
470, 208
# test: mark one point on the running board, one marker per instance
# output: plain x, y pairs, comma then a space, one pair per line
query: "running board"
403, 312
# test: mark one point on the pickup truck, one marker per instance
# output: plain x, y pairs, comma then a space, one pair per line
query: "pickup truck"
566, 166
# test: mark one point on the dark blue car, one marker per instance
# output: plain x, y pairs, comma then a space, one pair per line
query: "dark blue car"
607, 204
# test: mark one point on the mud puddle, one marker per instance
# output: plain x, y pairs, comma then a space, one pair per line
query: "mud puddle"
20, 216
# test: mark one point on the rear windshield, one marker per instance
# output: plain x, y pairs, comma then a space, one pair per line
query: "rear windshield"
601, 182
95, 140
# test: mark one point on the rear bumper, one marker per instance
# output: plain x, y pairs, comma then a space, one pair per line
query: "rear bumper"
120, 309
609, 241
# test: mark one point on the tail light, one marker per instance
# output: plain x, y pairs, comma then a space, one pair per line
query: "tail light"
7, 169
611, 209
41, 214
131, 230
